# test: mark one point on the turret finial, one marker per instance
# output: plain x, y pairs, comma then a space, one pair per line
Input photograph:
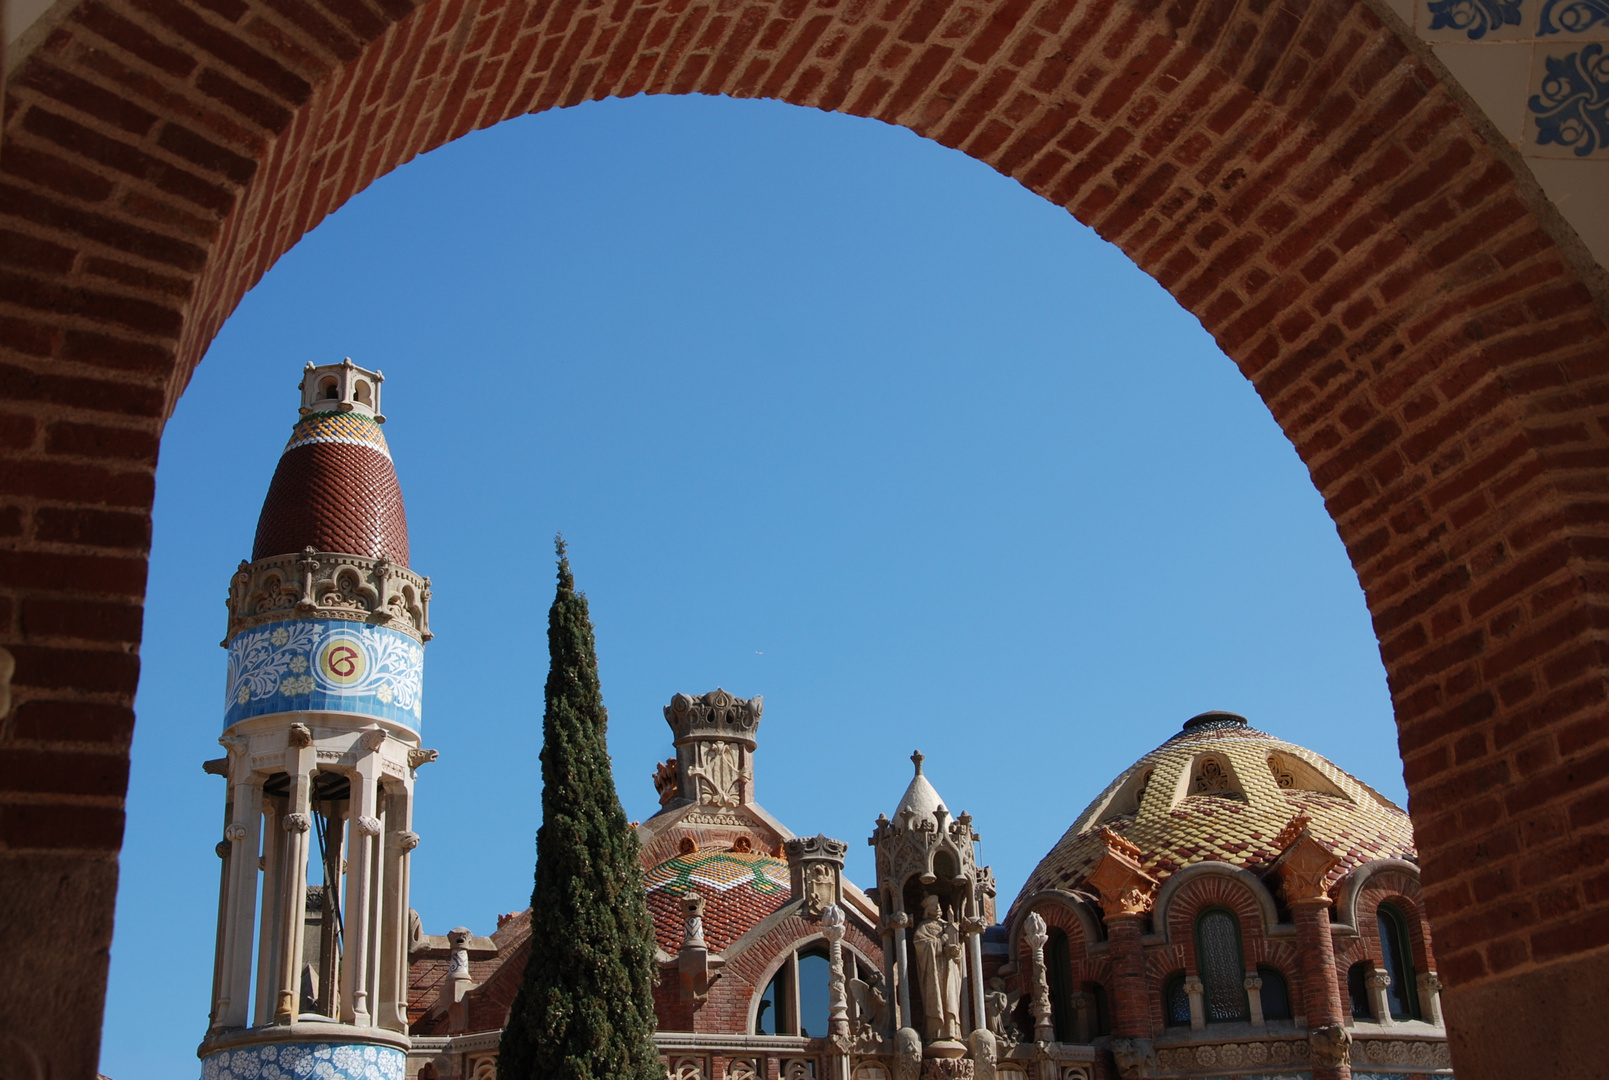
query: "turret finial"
918, 757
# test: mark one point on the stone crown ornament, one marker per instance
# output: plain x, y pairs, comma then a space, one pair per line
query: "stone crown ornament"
715, 715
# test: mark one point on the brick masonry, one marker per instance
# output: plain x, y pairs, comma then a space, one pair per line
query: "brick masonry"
1426, 331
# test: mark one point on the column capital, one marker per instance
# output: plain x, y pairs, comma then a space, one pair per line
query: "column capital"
1124, 886
1303, 864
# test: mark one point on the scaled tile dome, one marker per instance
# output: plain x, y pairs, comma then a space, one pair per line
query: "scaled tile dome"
335, 489
739, 888
1222, 790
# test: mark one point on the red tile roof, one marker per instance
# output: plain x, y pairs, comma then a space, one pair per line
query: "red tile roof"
337, 494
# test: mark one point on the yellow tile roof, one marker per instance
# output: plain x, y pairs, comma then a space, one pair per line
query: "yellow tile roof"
1174, 826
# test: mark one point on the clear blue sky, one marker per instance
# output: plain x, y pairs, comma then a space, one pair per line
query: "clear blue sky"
827, 413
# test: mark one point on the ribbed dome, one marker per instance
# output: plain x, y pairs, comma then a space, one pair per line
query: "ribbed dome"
335, 490
1221, 790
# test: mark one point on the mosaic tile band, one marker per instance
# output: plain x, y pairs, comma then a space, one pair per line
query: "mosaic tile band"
325, 665
335, 427
719, 870
305, 1061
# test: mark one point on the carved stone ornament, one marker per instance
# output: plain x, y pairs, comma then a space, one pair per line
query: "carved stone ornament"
407, 840
1304, 864
716, 714
318, 584
296, 823
984, 1053
1331, 1045
666, 784
235, 832
222, 849
693, 919
1124, 887
419, 756
1136, 1058
300, 736
372, 739
907, 1054
717, 773
368, 826
816, 866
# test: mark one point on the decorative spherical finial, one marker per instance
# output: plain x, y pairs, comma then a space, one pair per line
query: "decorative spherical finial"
917, 757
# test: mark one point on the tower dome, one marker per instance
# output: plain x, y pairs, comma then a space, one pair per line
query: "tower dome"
1220, 790
335, 488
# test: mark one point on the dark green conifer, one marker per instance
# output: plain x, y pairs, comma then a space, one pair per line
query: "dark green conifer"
585, 1010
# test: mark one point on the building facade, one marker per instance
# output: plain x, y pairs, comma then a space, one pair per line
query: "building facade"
1232, 905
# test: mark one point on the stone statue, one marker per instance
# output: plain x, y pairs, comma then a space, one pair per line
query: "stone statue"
871, 1003
998, 1006
936, 943
907, 1054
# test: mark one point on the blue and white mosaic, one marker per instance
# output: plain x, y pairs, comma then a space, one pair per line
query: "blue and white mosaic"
325, 665
305, 1061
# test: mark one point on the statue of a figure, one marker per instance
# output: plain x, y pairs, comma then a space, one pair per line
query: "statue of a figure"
937, 945
871, 1003
998, 1004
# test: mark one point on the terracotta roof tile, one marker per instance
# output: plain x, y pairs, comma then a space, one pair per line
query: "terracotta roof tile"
336, 490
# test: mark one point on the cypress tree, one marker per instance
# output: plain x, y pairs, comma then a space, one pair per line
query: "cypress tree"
585, 1009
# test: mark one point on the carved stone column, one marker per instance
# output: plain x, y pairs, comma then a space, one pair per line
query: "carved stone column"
300, 760
1194, 990
1036, 935
1379, 1003
833, 925
1254, 998
1127, 894
1301, 869
391, 1009
272, 858
365, 828
902, 968
244, 835
1430, 997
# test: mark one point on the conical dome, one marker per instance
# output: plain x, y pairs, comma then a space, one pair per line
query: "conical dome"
920, 798
1222, 790
335, 488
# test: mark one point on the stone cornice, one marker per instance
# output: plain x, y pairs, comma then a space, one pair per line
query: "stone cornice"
328, 585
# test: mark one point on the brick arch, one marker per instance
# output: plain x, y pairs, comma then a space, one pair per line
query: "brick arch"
1401, 889
1210, 890
1421, 325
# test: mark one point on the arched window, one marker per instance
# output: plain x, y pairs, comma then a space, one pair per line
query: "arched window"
1059, 965
774, 1015
814, 1005
1222, 966
1402, 995
1276, 994
1175, 1002
1357, 988
797, 1001
1100, 1016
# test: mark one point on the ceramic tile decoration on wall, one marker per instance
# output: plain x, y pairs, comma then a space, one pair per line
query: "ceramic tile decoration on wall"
325, 664
305, 1061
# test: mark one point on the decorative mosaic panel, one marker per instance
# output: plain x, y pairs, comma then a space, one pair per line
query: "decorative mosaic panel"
305, 1061
719, 870
338, 427
325, 665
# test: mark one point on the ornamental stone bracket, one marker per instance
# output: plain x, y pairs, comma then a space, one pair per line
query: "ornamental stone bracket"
1124, 886
326, 585
1303, 864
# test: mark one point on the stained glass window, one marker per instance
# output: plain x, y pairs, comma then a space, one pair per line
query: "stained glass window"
1223, 969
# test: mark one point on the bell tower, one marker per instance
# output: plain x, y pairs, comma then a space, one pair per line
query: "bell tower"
323, 708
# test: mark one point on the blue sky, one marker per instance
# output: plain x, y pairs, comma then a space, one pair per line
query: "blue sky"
827, 413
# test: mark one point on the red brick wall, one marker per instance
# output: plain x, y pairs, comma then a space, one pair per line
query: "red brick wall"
1425, 330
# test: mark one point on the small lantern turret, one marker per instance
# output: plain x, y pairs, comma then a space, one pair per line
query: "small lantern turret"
931, 894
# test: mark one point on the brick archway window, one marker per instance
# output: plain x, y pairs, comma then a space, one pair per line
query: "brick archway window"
1275, 994
1175, 1001
1397, 951
1222, 965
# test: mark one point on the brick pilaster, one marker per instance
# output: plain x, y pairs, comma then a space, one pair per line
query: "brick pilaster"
1131, 1004
1321, 990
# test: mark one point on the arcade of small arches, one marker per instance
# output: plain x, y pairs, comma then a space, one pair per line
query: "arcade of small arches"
1420, 320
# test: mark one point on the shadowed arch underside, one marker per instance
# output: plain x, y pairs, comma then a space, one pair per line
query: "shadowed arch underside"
1425, 330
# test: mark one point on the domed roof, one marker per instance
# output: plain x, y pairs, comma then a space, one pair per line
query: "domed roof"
739, 889
335, 490
921, 799
1222, 790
